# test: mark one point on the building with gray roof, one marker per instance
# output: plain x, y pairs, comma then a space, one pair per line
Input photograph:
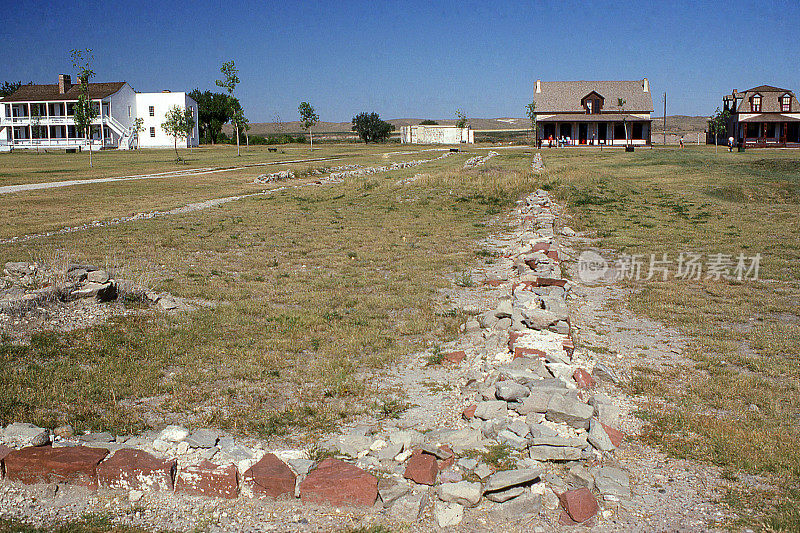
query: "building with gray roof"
608, 113
764, 116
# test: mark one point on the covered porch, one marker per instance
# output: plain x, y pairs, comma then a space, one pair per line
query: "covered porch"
766, 131
52, 125
595, 130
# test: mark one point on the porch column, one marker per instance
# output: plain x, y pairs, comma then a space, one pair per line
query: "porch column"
785, 133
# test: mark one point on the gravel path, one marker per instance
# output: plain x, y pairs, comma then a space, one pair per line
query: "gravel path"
8, 189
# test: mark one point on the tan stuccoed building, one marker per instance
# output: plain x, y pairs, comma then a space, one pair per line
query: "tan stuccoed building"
589, 112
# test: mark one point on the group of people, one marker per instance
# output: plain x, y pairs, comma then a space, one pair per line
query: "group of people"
559, 141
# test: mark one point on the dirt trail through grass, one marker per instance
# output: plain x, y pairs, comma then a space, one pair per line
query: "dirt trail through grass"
160, 175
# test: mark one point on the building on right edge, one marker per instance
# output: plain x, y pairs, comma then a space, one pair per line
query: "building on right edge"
764, 116
615, 113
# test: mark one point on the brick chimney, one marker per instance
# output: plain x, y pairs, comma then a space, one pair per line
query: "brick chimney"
64, 83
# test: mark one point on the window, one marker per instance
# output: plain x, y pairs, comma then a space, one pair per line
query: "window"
637, 131
786, 103
589, 106
755, 103
619, 130
152, 111
152, 131
129, 111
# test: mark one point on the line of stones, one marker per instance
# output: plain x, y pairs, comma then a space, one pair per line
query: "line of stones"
332, 481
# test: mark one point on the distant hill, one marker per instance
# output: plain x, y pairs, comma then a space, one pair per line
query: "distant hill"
266, 128
676, 124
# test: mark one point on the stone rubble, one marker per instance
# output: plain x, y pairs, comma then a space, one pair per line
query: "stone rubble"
524, 392
477, 161
537, 165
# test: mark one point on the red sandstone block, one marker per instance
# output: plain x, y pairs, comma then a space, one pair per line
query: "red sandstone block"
493, 282
339, 483
565, 520
583, 379
208, 479
552, 254
136, 470
550, 282
580, 504
469, 412
76, 465
519, 351
455, 357
270, 477
541, 247
614, 434
422, 468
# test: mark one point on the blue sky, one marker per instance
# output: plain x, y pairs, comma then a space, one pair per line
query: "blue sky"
410, 59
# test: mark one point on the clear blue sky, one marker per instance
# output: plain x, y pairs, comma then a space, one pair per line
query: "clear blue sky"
409, 59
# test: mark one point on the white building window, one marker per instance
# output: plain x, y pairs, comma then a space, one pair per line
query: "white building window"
152, 111
152, 132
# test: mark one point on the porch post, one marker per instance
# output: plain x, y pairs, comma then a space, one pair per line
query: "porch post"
102, 129
785, 133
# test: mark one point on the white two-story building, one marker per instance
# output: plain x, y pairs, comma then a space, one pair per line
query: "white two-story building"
118, 105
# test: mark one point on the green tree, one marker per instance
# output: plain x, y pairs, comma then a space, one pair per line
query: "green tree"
462, 119
36, 121
718, 125
621, 103
241, 123
84, 111
137, 128
229, 81
213, 110
9, 87
178, 125
308, 117
188, 125
530, 110
371, 128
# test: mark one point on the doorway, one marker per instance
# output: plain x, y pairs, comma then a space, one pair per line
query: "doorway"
583, 133
565, 130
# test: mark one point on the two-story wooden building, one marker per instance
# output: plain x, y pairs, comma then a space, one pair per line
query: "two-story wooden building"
613, 113
764, 116
43, 116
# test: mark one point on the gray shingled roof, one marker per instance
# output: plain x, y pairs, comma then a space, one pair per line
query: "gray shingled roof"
565, 96
770, 99
47, 93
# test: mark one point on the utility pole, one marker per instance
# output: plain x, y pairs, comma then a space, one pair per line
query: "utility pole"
665, 118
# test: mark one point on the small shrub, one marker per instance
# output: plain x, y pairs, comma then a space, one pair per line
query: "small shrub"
436, 356
464, 280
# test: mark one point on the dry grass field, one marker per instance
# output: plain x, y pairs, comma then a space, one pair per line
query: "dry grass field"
316, 286
739, 407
